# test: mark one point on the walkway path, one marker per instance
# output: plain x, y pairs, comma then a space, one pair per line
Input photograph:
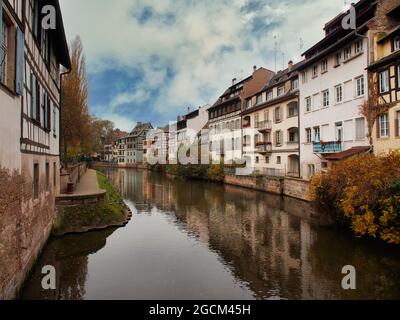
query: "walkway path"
88, 184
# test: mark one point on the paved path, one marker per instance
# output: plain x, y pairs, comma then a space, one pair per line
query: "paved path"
88, 184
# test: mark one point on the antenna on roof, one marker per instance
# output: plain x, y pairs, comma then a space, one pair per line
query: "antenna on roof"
275, 49
301, 45
283, 60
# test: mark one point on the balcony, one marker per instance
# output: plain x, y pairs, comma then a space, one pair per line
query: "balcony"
264, 126
264, 147
327, 147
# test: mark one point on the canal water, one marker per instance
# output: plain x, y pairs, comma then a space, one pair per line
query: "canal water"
199, 240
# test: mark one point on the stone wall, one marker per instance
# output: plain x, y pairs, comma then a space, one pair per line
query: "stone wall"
291, 187
267, 184
25, 223
297, 188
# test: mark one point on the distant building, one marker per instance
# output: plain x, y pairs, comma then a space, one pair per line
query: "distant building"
156, 145
271, 125
385, 77
130, 148
185, 131
225, 116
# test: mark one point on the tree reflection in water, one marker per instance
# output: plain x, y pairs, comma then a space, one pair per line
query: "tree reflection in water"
272, 247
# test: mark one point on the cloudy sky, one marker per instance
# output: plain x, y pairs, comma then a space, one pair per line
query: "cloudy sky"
152, 60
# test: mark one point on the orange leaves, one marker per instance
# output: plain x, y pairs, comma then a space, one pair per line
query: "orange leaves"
364, 191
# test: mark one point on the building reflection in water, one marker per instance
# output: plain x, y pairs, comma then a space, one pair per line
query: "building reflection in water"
268, 241
278, 247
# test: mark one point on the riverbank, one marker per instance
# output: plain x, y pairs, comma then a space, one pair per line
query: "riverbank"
111, 211
284, 186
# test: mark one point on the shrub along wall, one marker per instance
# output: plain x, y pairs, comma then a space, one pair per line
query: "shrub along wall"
364, 194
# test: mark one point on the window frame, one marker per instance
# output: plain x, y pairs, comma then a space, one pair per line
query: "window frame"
381, 72
308, 99
325, 102
357, 86
339, 86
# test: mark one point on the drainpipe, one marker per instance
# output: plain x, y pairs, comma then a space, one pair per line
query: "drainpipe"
59, 117
368, 63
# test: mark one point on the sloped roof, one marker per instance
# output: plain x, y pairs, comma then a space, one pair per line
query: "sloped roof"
347, 153
140, 127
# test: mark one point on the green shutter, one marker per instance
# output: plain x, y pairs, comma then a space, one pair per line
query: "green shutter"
20, 63
1, 31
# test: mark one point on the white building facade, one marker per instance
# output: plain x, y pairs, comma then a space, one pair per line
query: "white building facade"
333, 87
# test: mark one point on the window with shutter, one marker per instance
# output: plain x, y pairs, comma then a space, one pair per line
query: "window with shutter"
397, 123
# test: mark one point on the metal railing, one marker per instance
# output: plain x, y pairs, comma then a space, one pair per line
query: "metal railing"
264, 125
327, 147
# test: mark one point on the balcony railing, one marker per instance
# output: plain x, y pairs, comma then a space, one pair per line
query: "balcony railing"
328, 147
264, 147
264, 125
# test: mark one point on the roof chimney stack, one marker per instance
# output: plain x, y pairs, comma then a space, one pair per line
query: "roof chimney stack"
234, 81
255, 68
290, 65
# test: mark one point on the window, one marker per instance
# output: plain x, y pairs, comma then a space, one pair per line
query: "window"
293, 135
292, 110
278, 138
358, 46
396, 43
259, 99
270, 95
338, 58
360, 86
324, 66
347, 53
47, 176
54, 174
308, 135
360, 129
249, 103
305, 77
281, 90
339, 93
398, 76
383, 129
278, 115
4, 46
278, 160
36, 181
384, 81
397, 123
295, 84
308, 104
317, 134
315, 71
257, 159
325, 98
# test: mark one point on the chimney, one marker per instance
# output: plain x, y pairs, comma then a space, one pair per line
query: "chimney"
234, 81
290, 65
255, 68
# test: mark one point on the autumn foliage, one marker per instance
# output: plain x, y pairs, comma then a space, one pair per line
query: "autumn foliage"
364, 193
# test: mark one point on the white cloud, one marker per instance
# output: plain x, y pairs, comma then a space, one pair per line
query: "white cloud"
191, 46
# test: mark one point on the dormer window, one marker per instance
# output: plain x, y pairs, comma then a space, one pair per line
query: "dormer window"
281, 90
249, 103
396, 43
259, 99
270, 95
295, 84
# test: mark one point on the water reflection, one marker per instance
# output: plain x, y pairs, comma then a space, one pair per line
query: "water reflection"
198, 240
